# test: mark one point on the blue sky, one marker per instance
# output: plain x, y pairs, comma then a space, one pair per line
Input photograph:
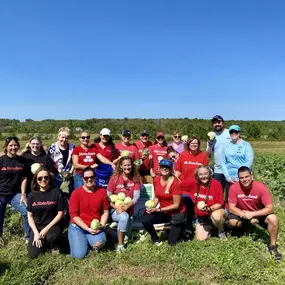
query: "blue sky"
142, 59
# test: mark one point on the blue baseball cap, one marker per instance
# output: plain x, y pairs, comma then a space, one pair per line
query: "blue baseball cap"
217, 118
166, 163
234, 128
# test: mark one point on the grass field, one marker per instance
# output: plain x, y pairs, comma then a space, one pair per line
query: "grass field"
240, 261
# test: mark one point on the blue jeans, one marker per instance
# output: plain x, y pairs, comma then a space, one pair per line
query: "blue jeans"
78, 181
14, 201
79, 240
123, 220
221, 178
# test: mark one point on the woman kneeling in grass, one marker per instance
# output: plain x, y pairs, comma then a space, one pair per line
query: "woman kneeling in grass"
87, 203
171, 208
45, 208
125, 184
206, 195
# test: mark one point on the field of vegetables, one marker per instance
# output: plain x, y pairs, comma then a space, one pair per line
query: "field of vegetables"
240, 261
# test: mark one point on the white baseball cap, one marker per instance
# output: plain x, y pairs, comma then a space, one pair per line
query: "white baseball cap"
105, 132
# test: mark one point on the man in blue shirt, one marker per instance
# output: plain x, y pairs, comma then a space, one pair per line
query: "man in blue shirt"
216, 147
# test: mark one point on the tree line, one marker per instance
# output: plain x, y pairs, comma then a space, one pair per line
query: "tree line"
251, 130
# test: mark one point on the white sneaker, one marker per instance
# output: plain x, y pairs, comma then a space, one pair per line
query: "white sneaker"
120, 249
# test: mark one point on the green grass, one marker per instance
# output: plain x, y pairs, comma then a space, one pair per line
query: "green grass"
241, 261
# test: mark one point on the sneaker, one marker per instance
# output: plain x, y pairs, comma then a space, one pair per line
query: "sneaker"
157, 242
222, 236
273, 250
120, 248
26, 241
1, 242
55, 250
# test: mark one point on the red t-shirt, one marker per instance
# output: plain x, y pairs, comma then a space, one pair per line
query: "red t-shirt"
187, 163
215, 194
140, 146
85, 157
117, 184
88, 206
157, 152
166, 199
250, 200
132, 149
106, 151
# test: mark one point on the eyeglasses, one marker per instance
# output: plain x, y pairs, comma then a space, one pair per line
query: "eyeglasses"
177, 137
41, 178
160, 138
233, 132
86, 178
8, 139
85, 137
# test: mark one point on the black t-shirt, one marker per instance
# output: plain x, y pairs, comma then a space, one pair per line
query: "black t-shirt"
12, 171
43, 159
45, 205
65, 154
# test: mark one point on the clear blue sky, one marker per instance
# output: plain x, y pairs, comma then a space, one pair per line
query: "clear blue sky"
66, 59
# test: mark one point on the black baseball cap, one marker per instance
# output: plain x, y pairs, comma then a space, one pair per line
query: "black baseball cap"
217, 118
144, 132
126, 133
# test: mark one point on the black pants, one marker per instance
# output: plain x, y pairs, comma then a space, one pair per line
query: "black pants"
175, 232
50, 239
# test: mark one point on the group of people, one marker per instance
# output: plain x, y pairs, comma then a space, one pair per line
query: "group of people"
187, 190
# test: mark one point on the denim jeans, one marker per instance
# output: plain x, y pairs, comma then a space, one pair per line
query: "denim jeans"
123, 219
14, 201
79, 240
78, 181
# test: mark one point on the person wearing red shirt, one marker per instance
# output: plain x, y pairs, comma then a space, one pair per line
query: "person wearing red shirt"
85, 155
206, 195
86, 203
125, 180
168, 205
105, 146
143, 145
190, 159
127, 146
157, 152
250, 202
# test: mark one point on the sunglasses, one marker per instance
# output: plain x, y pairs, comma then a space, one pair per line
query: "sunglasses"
86, 178
177, 137
173, 156
8, 139
85, 137
234, 132
41, 178
160, 138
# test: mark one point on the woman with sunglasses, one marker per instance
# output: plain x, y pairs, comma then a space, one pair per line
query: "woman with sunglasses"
85, 155
205, 195
237, 153
45, 210
60, 153
34, 153
190, 159
177, 144
86, 203
157, 152
172, 155
13, 182
168, 205
124, 180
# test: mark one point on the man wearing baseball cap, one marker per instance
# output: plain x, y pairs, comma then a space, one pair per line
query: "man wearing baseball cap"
216, 146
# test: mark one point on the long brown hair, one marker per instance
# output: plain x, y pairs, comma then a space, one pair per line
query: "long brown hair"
119, 170
187, 145
8, 140
35, 186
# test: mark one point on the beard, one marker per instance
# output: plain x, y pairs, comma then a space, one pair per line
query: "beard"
218, 128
